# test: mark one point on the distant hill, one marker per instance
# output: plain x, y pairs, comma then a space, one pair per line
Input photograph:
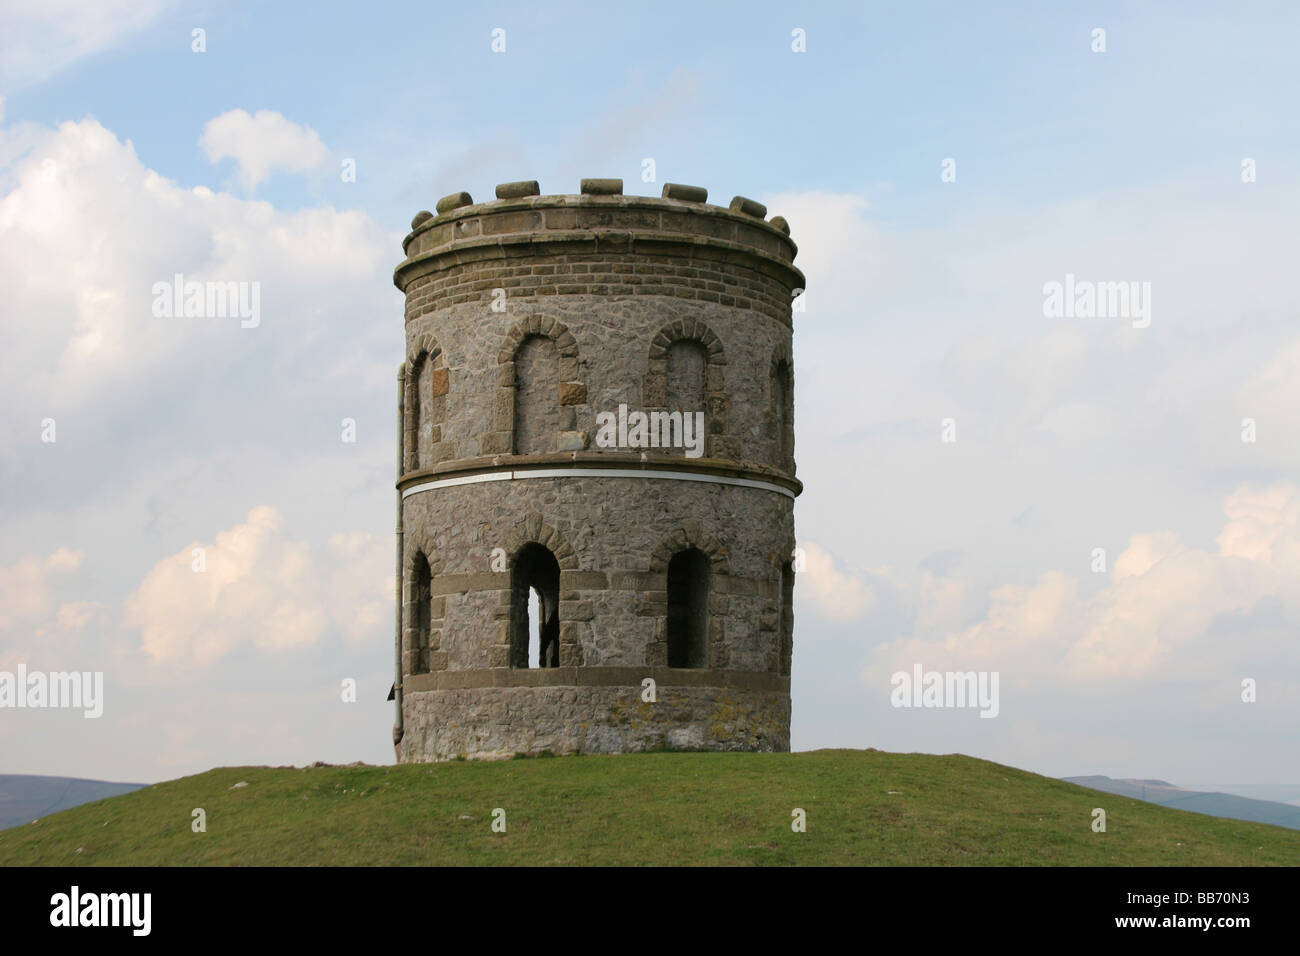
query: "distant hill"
1277, 792
26, 798
712, 809
1166, 794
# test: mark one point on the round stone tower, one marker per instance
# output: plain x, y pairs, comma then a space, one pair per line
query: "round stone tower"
596, 475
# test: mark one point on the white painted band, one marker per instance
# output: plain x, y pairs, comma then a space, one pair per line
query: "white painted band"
596, 473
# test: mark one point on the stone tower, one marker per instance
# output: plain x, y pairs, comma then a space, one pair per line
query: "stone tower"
596, 475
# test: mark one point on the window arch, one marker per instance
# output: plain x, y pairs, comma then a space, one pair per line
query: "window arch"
526, 365
537, 410
687, 361
425, 403
419, 616
535, 640
540, 553
781, 409
684, 373
688, 609
690, 605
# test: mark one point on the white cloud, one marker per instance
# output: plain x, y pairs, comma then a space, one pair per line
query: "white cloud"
37, 626
1154, 619
261, 144
842, 251
27, 589
259, 588
84, 330
360, 593
37, 40
838, 594
1144, 552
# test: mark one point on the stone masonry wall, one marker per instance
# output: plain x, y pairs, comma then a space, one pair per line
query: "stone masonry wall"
496, 721
612, 599
610, 363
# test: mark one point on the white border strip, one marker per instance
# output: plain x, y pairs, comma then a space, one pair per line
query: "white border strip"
596, 473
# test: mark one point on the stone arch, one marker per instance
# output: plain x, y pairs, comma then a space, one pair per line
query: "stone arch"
656, 387
692, 537
522, 542
536, 404
571, 391
422, 613
534, 530
424, 344
780, 409
692, 329
425, 403
534, 570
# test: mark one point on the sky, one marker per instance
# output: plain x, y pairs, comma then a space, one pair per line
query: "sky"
1104, 510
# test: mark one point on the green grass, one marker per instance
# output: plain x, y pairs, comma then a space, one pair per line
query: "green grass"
657, 808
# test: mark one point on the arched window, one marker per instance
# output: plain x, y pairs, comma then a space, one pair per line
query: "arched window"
688, 609
688, 395
687, 360
424, 404
419, 614
535, 629
537, 412
684, 389
786, 623
783, 412
418, 387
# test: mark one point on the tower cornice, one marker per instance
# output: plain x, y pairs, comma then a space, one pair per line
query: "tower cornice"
598, 224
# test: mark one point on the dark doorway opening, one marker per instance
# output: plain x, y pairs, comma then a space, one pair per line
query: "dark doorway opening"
688, 609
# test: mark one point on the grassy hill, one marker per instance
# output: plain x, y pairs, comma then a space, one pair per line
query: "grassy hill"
863, 807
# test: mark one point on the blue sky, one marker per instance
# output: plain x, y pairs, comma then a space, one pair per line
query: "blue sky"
925, 302
712, 91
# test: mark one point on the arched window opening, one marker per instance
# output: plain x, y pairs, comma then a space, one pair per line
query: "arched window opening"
424, 408
535, 608
420, 614
688, 602
537, 410
687, 361
687, 394
416, 413
783, 400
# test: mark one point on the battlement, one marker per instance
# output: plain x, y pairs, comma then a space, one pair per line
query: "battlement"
598, 220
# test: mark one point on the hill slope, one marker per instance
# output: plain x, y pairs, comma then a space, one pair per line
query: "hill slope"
863, 807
